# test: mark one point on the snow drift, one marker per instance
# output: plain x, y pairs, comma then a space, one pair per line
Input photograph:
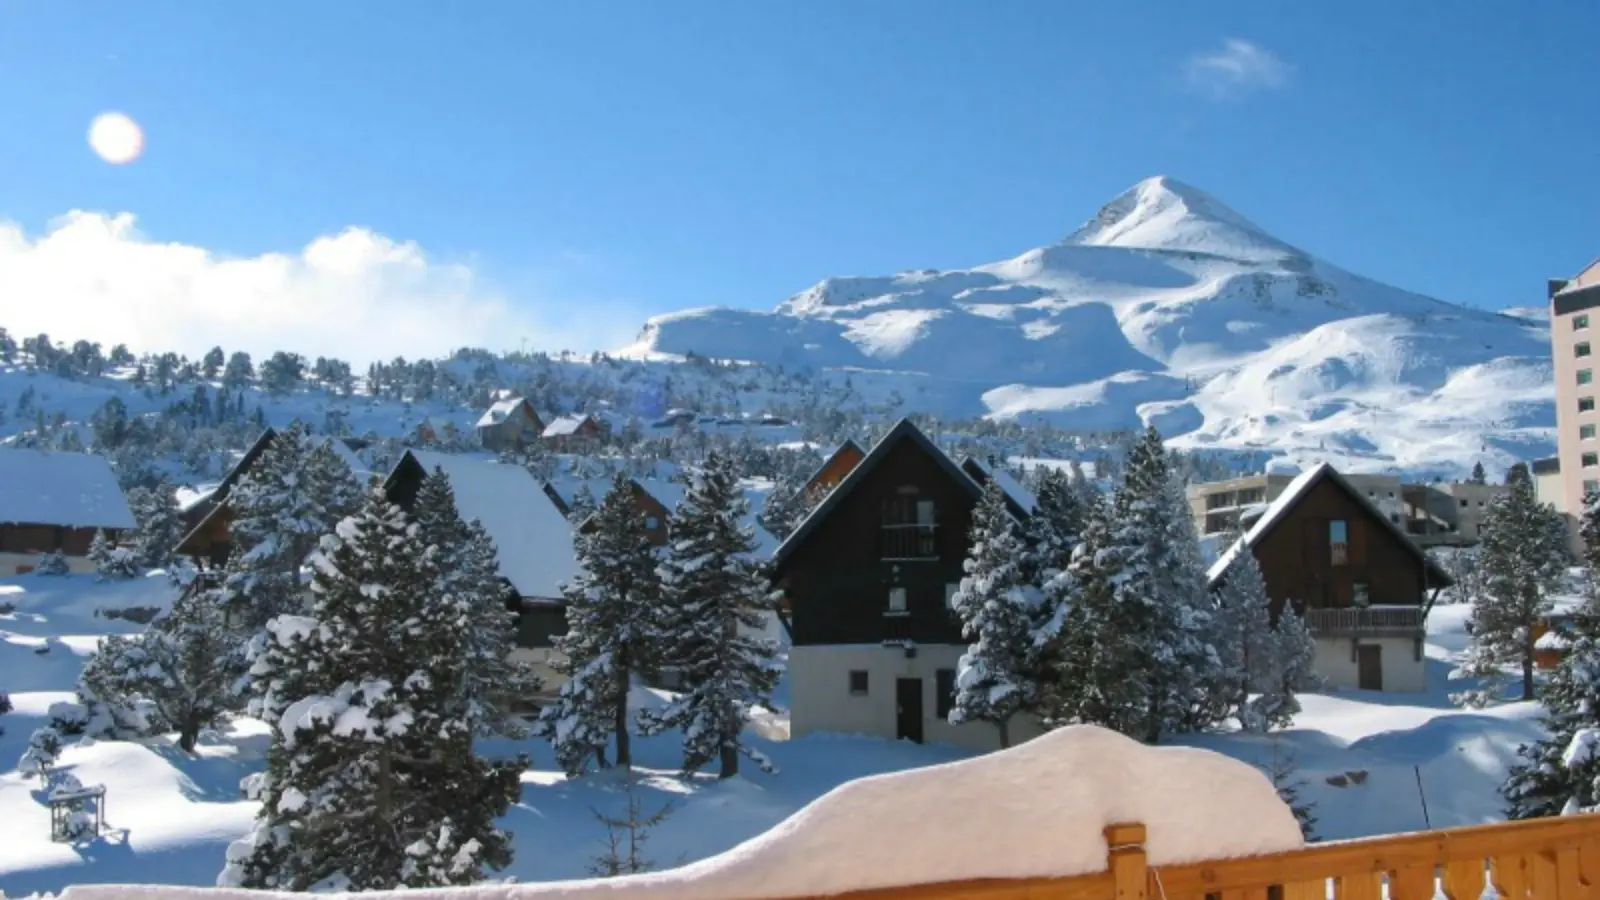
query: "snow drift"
1031, 811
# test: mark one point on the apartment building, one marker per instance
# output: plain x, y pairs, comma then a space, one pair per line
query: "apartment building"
1430, 514
1574, 304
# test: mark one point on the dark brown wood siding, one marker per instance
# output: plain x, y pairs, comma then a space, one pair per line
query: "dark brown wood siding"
1297, 559
837, 583
46, 538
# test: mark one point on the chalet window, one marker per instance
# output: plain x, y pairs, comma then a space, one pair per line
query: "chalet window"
652, 523
1339, 541
858, 682
1463, 504
1580, 322
897, 599
1585, 376
1358, 594
1585, 432
944, 688
950, 589
1585, 404
909, 529
1591, 459
1582, 349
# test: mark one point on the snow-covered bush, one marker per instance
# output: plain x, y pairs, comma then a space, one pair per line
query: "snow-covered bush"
52, 563
112, 563
68, 718
44, 748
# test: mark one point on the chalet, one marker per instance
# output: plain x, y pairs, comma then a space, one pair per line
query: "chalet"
568, 433
432, 430
835, 468
1019, 499
1362, 584
209, 538
533, 540
650, 508
868, 578
509, 424
55, 502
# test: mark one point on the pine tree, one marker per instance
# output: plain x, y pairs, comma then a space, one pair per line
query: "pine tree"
1479, 476
1523, 556
785, 507
711, 589
371, 779
626, 835
611, 633
1542, 784
1281, 767
583, 504
1244, 638
184, 666
1054, 530
100, 548
52, 563
295, 493
160, 525
997, 606
1291, 670
469, 571
1589, 531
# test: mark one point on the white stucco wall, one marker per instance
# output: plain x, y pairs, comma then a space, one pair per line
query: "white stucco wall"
10, 561
820, 698
1402, 671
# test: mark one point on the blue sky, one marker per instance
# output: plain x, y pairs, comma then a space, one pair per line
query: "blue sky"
625, 158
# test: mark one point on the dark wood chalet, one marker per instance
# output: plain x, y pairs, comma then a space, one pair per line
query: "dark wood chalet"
509, 424
879, 559
55, 502
650, 509
1323, 546
207, 541
836, 467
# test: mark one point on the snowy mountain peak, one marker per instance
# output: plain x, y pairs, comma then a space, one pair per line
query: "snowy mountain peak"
1163, 213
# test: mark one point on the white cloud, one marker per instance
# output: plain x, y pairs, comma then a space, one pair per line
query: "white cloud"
357, 295
1239, 68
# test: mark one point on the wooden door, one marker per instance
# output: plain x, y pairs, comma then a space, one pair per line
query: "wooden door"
1369, 667
908, 709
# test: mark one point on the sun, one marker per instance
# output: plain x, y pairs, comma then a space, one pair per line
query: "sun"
116, 138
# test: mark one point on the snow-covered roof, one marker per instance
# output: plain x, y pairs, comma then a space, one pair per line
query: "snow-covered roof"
1019, 495
1292, 494
71, 490
533, 540
563, 426
357, 465
500, 411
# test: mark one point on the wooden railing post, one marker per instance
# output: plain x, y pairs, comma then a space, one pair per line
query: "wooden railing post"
1127, 861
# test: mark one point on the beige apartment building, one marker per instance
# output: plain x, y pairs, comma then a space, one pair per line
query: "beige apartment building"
1431, 514
1574, 304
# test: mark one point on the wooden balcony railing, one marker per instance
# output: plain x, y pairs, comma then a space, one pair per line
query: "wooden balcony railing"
1538, 859
1360, 621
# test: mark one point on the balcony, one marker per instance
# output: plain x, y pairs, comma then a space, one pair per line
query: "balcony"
1374, 621
909, 543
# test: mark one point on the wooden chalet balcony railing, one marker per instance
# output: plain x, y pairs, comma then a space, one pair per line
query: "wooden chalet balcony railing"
1359, 621
1538, 859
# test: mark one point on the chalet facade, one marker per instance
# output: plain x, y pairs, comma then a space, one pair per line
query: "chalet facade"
1362, 584
572, 433
509, 424
533, 541
868, 578
651, 510
838, 465
55, 502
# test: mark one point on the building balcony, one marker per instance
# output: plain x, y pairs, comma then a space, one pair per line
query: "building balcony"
1373, 621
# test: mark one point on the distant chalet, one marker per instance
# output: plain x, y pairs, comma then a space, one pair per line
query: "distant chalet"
55, 502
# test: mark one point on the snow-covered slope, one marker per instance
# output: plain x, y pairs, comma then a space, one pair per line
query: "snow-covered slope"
1167, 307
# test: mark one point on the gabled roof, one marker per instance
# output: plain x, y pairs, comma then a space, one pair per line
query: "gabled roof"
839, 451
500, 411
70, 490
533, 540
902, 431
1292, 494
562, 426
1018, 498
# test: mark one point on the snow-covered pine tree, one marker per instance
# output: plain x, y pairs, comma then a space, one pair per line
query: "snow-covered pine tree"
1283, 769
183, 666
1589, 531
711, 591
583, 504
997, 606
1479, 476
52, 563
295, 493
1055, 528
371, 779
1244, 637
1523, 555
611, 633
784, 508
1290, 670
108, 566
469, 570
160, 526
1542, 784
